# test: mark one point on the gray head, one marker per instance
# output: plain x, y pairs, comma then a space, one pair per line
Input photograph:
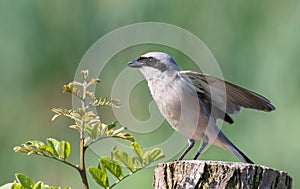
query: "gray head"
155, 64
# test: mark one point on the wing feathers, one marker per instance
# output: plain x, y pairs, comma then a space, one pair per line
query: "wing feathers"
218, 91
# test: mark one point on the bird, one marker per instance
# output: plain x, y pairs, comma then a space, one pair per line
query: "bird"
192, 102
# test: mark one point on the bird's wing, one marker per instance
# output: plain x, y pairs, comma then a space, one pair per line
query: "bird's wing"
225, 97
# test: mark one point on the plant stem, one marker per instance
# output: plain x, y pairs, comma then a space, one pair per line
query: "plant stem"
82, 169
114, 184
66, 162
83, 148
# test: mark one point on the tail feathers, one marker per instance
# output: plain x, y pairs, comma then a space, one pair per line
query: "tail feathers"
239, 154
223, 142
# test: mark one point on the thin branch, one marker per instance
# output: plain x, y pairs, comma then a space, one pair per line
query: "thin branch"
60, 160
82, 169
102, 138
67, 163
82, 149
131, 173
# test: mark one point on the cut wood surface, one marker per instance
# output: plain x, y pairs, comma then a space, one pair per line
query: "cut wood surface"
217, 174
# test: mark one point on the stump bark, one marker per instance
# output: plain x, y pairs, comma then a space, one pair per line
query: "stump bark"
216, 174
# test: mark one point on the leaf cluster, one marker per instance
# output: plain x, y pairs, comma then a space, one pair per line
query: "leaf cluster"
81, 91
91, 130
54, 149
120, 158
86, 121
24, 182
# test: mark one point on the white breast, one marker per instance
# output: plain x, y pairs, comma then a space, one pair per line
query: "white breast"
178, 105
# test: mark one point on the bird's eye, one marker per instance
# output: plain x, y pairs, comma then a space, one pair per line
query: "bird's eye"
151, 61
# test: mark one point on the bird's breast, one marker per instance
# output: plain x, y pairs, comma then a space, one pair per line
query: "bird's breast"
180, 107
167, 97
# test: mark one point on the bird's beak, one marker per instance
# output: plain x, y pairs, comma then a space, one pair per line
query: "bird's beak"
135, 64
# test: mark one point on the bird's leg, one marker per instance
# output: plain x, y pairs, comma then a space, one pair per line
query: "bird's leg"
204, 144
191, 145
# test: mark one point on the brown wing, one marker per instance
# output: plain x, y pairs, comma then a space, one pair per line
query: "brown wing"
225, 97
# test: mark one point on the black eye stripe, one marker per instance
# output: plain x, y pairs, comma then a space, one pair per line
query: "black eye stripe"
142, 58
152, 62
149, 61
145, 58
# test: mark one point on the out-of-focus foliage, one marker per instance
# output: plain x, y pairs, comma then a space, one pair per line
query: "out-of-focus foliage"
113, 164
91, 130
41, 43
24, 182
54, 149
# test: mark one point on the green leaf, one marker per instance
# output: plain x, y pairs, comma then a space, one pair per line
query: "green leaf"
24, 180
63, 150
153, 155
105, 102
54, 117
92, 131
32, 152
38, 185
112, 125
76, 127
53, 143
157, 154
47, 149
41, 185
138, 151
122, 156
135, 164
9, 186
84, 74
19, 149
99, 176
117, 131
16, 186
36, 143
113, 150
112, 166
125, 136
68, 87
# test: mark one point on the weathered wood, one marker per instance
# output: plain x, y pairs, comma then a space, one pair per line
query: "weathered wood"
216, 174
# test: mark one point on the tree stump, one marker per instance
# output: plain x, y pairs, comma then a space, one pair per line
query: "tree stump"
216, 174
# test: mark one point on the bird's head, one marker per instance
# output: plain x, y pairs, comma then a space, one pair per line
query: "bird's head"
155, 65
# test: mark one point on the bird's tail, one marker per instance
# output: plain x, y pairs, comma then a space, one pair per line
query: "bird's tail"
239, 154
228, 145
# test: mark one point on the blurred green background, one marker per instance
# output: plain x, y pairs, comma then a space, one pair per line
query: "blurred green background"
256, 43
